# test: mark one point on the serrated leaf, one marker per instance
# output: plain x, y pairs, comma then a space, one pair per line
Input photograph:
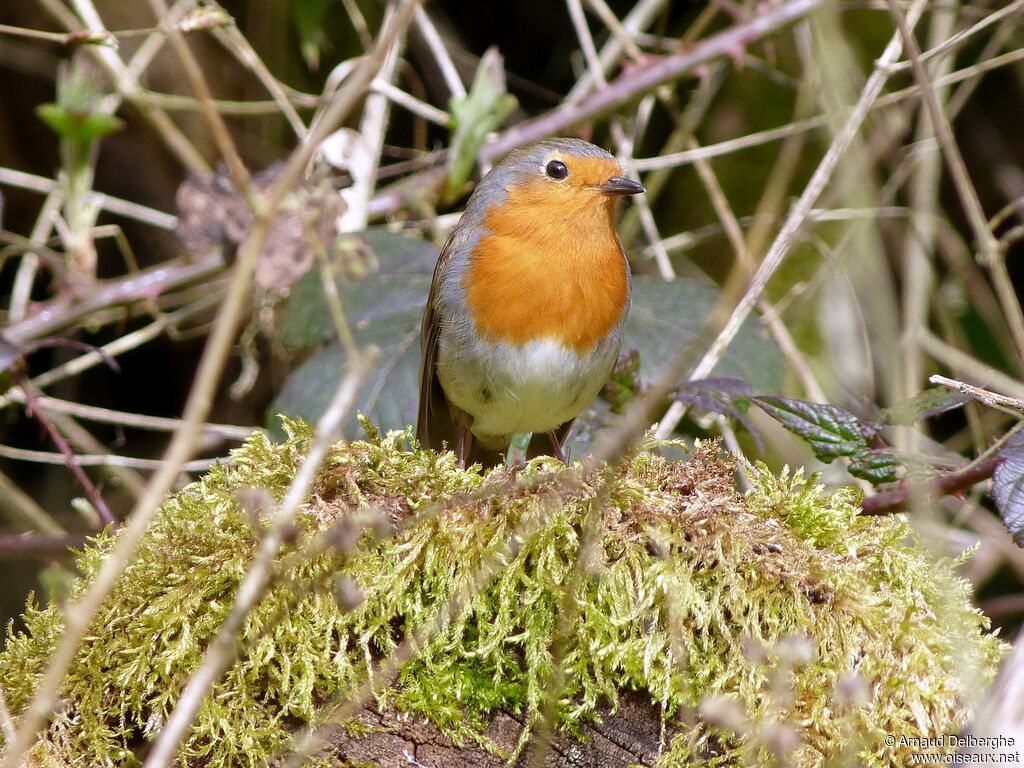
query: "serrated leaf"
830, 430
877, 466
1008, 487
923, 405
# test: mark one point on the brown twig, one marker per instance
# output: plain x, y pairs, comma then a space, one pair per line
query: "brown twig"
992, 399
898, 499
204, 98
34, 546
985, 240
632, 83
727, 328
69, 455
147, 284
23, 510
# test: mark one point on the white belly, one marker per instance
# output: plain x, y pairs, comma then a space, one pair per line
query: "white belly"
534, 387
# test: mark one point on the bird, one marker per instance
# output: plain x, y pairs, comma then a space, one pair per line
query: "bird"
527, 304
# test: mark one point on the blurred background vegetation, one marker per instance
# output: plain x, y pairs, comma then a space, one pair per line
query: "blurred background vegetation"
907, 264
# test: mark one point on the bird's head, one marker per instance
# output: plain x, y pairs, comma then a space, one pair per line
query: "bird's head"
566, 173
557, 178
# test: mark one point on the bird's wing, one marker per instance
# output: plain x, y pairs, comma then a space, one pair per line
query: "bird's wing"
435, 422
438, 421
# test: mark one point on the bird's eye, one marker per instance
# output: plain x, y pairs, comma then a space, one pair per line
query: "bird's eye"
556, 169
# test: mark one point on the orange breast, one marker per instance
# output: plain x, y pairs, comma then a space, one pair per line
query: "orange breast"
549, 267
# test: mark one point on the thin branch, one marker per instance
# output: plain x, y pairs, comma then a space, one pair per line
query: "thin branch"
617, 28
35, 34
389, 200
68, 456
918, 271
411, 103
25, 510
954, 160
643, 203
759, 138
639, 17
123, 477
358, 23
444, 60
34, 546
954, 41
989, 398
686, 121
119, 346
6, 721
173, 102
242, 49
125, 419
140, 286
100, 460
745, 262
365, 157
967, 366
897, 500
125, 208
29, 266
626, 87
797, 217
214, 122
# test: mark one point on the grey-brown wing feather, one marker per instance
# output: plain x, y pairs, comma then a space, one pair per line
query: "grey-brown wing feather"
438, 421
435, 424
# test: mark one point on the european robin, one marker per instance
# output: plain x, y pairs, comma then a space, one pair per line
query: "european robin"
526, 309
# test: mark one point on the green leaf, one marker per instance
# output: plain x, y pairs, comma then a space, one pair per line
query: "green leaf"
76, 115
399, 280
81, 127
481, 112
308, 17
668, 314
830, 430
876, 466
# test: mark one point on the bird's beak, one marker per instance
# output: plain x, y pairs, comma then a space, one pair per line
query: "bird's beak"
617, 185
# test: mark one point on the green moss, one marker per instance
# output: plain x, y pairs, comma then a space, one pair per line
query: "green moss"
692, 593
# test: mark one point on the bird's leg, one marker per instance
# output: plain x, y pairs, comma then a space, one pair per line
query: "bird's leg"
465, 444
555, 445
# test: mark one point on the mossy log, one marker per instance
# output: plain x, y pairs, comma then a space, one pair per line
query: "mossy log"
650, 615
